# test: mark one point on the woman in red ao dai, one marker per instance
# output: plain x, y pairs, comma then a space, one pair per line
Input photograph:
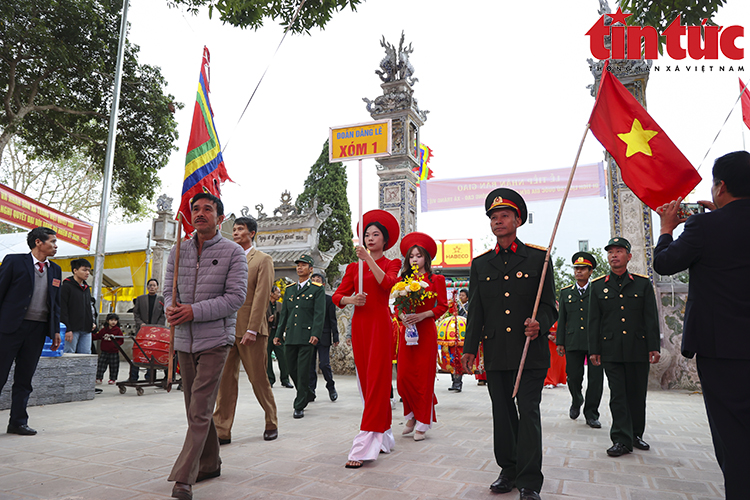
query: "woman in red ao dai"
372, 341
417, 363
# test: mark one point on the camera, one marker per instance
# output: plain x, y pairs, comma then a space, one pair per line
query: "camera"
688, 209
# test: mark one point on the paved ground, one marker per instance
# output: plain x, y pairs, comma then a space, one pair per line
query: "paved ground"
123, 447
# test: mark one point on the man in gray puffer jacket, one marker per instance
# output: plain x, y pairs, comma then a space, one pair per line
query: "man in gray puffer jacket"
211, 287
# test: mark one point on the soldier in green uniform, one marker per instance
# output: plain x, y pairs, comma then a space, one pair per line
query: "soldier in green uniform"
301, 323
624, 338
504, 284
573, 341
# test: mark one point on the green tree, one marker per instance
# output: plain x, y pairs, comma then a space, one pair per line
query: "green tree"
72, 185
327, 183
57, 61
252, 13
660, 14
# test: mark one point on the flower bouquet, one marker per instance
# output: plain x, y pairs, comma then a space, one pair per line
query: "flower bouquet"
407, 294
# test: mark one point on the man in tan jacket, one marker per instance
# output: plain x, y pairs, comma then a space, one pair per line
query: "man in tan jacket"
251, 339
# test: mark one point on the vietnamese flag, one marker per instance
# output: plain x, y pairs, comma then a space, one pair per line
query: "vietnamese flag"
651, 165
745, 104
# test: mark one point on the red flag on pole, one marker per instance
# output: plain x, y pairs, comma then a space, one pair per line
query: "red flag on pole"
204, 163
745, 103
651, 165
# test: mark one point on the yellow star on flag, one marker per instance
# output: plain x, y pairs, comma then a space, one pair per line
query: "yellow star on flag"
637, 139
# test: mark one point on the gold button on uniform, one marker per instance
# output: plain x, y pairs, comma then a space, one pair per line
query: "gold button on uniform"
507, 329
488, 278
507, 294
622, 307
624, 332
507, 311
623, 320
620, 295
506, 277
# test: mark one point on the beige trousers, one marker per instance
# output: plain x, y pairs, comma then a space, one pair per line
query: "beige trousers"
254, 358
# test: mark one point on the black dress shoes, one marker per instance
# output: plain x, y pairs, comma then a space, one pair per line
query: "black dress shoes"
593, 423
182, 491
502, 485
617, 450
527, 494
225, 441
202, 476
287, 385
334, 395
299, 413
575, 410
23, 430
270, 434
640, 443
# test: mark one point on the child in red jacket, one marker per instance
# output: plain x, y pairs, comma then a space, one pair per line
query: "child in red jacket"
109, 355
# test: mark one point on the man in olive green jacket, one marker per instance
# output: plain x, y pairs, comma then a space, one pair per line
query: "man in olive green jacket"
624, 338
504, 284
301, 323
573, 341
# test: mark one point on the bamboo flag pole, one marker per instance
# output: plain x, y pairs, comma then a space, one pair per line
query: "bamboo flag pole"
547, 259
361, 231
174, 300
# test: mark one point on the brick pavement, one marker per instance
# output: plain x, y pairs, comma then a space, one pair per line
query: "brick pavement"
123, 447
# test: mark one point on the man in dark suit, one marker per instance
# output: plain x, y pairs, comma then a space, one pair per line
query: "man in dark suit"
148, 310
29, 312
714, 247
504, 284
272, 316
624, 338
323, 349
573, 342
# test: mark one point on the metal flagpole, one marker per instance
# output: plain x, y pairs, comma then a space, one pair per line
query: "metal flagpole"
108, 161
547, 263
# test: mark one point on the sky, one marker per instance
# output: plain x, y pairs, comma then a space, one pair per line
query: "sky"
505, 85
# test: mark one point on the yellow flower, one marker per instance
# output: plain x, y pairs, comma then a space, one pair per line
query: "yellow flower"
414, 286
400, 286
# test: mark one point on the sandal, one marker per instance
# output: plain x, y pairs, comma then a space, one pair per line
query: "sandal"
353, 464
408, 429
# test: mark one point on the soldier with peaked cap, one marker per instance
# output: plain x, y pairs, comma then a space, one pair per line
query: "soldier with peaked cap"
301, 325
624, 338
504, 284
573, 342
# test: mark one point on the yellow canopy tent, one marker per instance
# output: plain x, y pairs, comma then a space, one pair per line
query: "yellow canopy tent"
125, 275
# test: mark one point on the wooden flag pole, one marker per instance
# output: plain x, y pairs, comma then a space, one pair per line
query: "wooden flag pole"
170, 368
547, 259
361, 231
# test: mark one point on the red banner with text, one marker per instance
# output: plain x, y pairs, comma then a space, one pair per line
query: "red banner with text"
541, 185
20, 210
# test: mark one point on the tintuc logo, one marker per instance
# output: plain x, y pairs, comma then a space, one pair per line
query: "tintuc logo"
647, 37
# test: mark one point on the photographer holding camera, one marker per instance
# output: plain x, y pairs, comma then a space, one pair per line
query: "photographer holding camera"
714, 247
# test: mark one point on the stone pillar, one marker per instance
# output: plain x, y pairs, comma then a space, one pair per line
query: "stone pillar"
164, 233
397, 188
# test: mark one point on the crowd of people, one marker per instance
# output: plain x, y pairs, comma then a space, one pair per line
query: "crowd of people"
227, 313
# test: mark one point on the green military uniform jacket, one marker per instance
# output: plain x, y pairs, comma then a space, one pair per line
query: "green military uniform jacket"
623, 322
574, 318
502, 297
302, 313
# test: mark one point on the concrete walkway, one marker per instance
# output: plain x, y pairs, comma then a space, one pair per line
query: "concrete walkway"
123, 447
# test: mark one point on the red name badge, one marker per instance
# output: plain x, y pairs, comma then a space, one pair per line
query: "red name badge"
56, 283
